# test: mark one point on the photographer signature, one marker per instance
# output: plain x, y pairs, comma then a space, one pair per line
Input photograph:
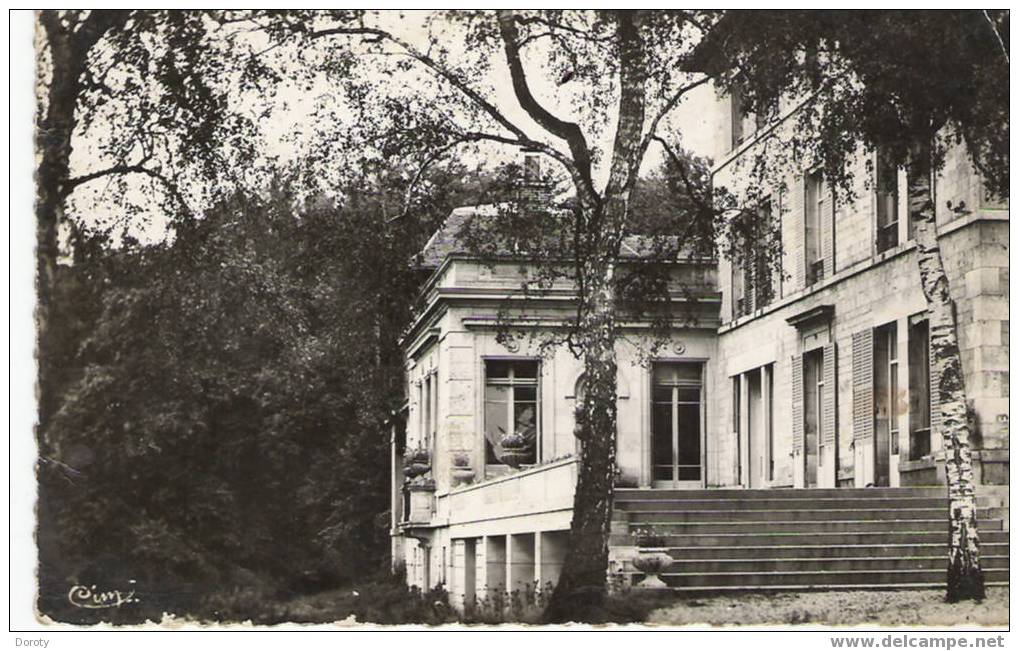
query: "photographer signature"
84, 596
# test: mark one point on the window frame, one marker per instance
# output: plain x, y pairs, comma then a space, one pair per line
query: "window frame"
675, 403
512, 382
918, 357
882, 199
813, 226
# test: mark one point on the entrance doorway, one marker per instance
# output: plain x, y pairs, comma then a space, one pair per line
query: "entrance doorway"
813, 410
760, 435
676, 424
886, 390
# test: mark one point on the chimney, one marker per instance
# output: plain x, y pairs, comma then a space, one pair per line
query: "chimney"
534, 190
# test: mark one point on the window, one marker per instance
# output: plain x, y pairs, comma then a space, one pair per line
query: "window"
426, 412
764, 289
910, 227
435, 406
421, 426
736, 115
919, 390
886, 189
769, 420
886, 398
753, 284
676, 422
813, 412
511, 405
736, 412
752, 423
764, 117
813, 204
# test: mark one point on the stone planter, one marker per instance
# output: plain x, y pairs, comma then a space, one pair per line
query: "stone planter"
421, 494
652, 561
416, 463
515, 456
462, 475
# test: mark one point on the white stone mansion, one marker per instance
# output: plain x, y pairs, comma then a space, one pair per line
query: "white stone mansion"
783, 439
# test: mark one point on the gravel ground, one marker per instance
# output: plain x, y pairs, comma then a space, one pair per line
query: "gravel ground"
845, 608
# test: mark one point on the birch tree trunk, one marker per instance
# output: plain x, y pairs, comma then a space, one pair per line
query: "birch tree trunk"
581, 586
54, 127
965, 578
582, 582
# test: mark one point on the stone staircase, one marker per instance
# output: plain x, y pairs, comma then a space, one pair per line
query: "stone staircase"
739, 539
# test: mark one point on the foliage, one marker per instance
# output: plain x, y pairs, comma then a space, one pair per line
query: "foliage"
880, 77
648, 537
617, 75
221, 421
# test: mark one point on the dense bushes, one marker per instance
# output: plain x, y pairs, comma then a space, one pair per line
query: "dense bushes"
218, 431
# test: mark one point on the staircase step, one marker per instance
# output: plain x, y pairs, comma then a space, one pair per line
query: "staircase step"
793, 526
630, 494
753, 539
631, 505
724, 566
817, 578
893, 550
799, 515
803, 539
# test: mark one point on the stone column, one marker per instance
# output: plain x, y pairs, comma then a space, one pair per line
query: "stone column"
520, 562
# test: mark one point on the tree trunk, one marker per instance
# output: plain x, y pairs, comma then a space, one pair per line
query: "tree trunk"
55, 125
581, 587
965, 578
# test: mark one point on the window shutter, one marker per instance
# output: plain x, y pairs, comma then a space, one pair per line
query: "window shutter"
797, 391
830, 416
797, 232
935, 380
863, 385
749, 291
828, 231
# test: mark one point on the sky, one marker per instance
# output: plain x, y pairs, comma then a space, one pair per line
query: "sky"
309, 110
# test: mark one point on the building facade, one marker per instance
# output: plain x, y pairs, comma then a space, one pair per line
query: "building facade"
815, 376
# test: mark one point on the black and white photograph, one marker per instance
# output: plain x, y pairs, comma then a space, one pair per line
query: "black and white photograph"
503, 320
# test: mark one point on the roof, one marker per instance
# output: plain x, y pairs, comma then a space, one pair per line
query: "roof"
447, 239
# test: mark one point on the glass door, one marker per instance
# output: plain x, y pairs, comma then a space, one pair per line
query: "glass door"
676, 424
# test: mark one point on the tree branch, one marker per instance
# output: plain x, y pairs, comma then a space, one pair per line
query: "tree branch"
997, 34
681, 167
552, 25
379, 35
666, 108
137, 168
568, 131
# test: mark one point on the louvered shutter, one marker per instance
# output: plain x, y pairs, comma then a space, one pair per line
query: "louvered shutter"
749, 291
797, 228
797, 411
863, 385
829, 420
935, 380
828, 231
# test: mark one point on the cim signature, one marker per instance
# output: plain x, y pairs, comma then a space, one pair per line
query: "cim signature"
84, 596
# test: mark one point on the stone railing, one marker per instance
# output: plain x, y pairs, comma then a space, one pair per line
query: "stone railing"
543, 489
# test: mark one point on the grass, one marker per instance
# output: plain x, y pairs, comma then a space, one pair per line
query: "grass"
388, 601
836, 608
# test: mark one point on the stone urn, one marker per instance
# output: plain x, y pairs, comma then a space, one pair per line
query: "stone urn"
462, 473
652, 561
652, 557
416, 463
517, 449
